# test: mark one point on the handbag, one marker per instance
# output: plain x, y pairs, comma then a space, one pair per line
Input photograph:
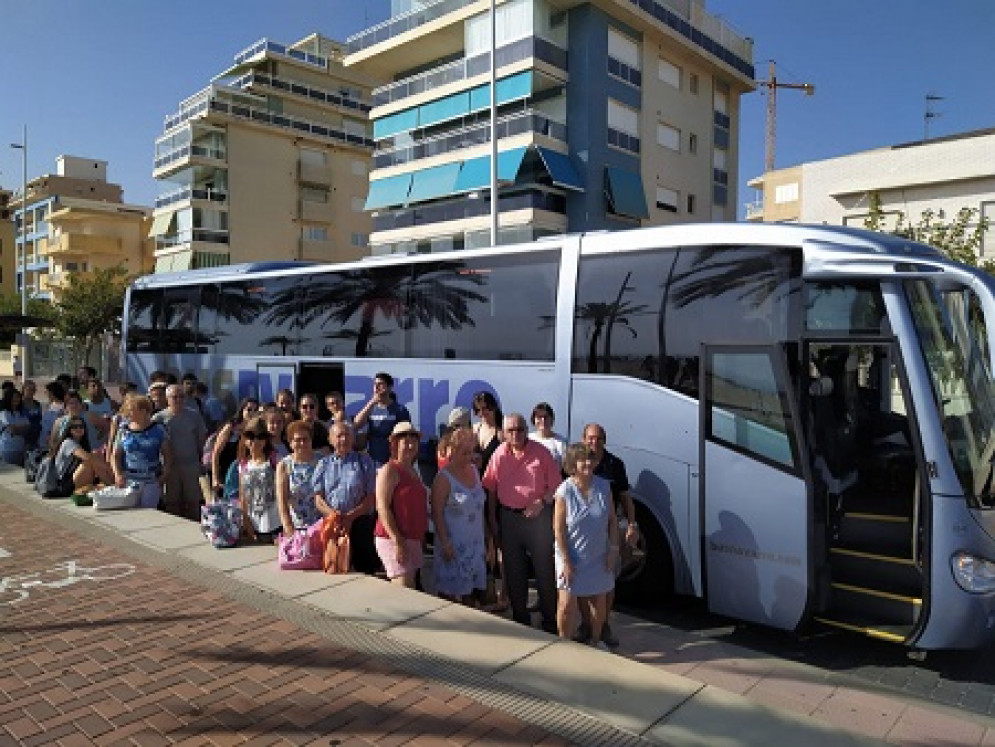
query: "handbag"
302, 550
50, 482
337, 554
221, 523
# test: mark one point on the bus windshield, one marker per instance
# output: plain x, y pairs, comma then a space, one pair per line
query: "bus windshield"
963, 390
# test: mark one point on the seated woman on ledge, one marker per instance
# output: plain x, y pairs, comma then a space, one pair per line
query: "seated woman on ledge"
75, 447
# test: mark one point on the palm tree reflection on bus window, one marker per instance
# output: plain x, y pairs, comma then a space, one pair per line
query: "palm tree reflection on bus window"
602, 317
348, 305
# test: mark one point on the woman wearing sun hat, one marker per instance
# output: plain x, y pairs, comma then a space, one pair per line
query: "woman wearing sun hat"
402, 508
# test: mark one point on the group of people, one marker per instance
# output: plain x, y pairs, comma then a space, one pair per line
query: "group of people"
506, 504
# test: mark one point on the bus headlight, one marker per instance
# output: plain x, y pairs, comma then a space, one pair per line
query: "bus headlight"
972, 573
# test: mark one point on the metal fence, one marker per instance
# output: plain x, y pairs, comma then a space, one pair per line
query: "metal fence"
49, 358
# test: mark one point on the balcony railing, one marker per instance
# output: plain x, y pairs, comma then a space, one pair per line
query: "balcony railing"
204, 235
186, 193
315, 94
516, 124
687, 17
754, 209
188, 151
468, 67
466, 207
291, 123
265, 45
405, 22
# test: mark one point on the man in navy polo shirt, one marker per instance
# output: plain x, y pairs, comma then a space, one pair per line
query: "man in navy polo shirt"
380, 415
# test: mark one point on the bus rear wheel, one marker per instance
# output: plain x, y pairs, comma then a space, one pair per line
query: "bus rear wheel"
648, 576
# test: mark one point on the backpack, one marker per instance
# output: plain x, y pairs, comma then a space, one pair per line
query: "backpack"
51, 483
32, 461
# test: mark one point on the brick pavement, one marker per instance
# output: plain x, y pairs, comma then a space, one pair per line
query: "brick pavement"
148, 658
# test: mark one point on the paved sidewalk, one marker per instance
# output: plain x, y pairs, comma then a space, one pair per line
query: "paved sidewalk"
169, 640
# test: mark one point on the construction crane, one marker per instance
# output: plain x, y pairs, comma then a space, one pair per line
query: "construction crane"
772, 84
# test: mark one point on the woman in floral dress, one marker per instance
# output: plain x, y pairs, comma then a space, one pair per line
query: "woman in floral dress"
294, 485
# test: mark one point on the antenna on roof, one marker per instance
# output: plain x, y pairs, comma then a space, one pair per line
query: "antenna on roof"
929, 114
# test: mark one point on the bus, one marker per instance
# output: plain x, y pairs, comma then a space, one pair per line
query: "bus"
805, 412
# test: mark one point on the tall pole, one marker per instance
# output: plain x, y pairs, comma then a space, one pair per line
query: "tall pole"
494, 144
770, 133
23, 147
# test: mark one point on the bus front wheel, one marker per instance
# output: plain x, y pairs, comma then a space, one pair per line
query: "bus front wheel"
647, 574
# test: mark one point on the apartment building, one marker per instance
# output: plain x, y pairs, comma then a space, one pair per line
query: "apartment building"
941, 174
75, 221
269, 161
611, 114
7, 248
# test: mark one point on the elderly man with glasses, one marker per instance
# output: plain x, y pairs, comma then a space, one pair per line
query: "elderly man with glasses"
187, 434
520, 480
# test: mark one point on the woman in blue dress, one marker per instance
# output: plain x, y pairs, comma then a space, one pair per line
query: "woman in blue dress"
142, 455
586, 544
458, 511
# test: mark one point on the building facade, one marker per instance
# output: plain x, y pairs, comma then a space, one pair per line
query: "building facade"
270, 161
7, 246
610, 114
74, 221
942, 175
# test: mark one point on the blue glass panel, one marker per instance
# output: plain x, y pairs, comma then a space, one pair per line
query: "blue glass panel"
561, 169
625, 189
449, 107
395, 123
390, 191
438, 181
518, 86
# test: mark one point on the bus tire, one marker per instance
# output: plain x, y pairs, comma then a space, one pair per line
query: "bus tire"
651, 580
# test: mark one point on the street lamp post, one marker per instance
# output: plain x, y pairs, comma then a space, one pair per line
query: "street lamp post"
494, 144
23, 147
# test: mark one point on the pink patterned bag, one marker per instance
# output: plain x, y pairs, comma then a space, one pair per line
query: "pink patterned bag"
302, 550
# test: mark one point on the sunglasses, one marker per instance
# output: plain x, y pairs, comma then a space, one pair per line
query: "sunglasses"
308, 407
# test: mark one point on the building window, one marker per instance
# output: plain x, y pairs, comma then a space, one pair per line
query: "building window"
667, 199
690, 204
623, 58
692, 143
312, 157
623, 126
360, 240
669, 137
313, 194
786, 193
719, 159
669, 73
988, 242
721, 99
314, 233
693, 83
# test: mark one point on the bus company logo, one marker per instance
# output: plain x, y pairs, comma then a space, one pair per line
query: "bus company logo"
753, 554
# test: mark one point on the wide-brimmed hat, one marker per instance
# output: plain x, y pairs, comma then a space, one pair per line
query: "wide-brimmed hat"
458, 417
404, 429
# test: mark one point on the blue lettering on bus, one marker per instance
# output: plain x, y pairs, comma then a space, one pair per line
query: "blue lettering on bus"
250, 384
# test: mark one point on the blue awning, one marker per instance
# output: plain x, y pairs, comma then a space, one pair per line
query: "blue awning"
561, 169
476, 172
437, 181
625, 193
390, 191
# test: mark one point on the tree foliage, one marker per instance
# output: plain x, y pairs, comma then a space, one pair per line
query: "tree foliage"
961, 239
91, 304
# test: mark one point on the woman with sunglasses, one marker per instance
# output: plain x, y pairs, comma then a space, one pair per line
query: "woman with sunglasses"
257, 482
74, 454
226, 442
488, 429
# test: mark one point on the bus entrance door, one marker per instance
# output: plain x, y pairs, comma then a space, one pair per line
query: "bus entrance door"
756, 508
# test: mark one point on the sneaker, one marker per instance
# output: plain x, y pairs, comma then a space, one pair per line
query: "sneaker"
600, 645
608, 637
582, 634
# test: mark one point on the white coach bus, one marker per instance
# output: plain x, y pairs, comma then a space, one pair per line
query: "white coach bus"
806, 413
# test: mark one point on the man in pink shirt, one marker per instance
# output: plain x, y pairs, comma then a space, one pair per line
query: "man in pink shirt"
521, 478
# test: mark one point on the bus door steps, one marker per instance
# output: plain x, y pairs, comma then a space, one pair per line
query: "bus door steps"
897, 575
853, 603
879, 533
892, 633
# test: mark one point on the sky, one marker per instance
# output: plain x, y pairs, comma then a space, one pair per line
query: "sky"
95, 78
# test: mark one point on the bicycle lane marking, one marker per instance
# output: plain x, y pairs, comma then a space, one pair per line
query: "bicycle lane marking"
17, 588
